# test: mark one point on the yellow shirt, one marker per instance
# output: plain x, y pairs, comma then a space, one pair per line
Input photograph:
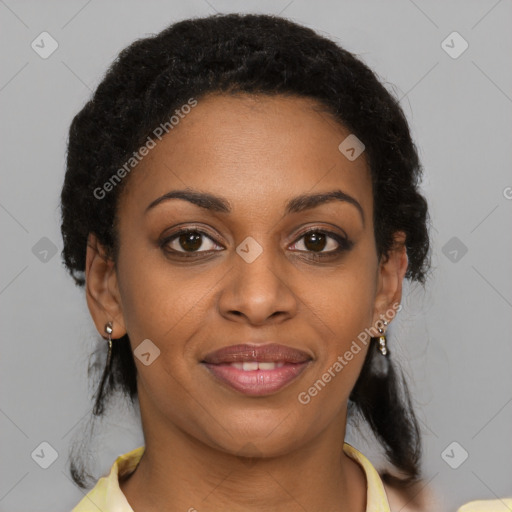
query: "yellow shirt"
504, 505
107, 496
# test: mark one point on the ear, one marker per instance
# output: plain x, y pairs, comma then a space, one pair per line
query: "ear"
391, 274
101, 289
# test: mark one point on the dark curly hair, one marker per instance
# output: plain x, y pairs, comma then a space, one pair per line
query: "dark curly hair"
254, 54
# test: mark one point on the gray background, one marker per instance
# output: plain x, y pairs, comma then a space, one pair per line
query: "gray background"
453, 339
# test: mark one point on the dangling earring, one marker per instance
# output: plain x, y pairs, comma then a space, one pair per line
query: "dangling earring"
109, 328
98, 407
382, 340
381, 362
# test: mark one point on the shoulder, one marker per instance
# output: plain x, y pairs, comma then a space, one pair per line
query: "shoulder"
500, 505
416, 498
106, 495
423, 499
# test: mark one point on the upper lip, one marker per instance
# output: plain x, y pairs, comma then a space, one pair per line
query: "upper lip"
263, 353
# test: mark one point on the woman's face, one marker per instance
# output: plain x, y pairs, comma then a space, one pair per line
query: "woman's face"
247, 274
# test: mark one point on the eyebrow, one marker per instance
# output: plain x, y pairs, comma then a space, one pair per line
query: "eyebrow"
222, 205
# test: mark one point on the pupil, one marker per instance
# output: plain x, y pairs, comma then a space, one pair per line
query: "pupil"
190, 241
318, 241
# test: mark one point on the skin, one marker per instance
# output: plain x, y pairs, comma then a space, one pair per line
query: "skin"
257, 152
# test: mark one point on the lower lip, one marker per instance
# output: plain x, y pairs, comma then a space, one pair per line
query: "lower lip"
257, 382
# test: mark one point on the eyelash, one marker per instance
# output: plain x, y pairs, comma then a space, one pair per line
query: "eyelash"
344, 243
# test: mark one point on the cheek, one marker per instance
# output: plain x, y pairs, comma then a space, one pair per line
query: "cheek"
341, 311
156, 297
171, 307
340, 305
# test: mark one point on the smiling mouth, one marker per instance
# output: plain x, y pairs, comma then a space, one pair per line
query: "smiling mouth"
256, 378
256, 369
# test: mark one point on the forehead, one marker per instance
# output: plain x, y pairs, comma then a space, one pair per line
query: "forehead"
251, 149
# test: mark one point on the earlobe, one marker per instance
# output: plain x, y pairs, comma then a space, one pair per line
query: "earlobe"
101, 289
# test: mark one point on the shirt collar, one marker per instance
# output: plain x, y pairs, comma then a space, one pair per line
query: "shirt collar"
376, 498
107, 495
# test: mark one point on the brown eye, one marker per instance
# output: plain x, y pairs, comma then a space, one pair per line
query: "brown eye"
315, 241
188, 241
321, 242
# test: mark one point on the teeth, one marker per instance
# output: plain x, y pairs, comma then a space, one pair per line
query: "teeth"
267, 366
256, 365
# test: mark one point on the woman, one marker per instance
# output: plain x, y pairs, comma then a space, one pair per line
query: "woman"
241, 203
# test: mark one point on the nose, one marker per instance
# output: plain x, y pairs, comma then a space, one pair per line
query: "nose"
258, 290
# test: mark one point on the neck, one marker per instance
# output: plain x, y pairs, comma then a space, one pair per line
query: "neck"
179, 472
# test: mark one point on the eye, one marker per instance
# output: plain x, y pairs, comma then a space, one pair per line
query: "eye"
189, 240
317, 243
322, 243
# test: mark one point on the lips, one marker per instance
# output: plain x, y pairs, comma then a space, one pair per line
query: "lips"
256, 370
272, 352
